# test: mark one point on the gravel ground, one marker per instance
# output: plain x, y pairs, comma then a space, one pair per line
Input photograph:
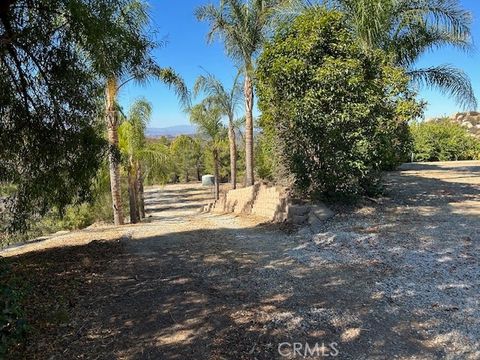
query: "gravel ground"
395, 278
423, 239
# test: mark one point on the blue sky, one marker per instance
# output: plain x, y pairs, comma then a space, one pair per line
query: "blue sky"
187, 52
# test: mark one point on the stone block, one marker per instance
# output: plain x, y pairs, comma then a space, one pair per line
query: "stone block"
299, 219
321, 211
297, 210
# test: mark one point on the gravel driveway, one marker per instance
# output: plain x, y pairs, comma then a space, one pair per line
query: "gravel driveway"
395, 278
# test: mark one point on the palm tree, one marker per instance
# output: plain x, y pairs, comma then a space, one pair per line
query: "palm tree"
242, 26
208, 117
228, 101
122, 57
407, 29
165, 75
132, 142
112, 120
138, 155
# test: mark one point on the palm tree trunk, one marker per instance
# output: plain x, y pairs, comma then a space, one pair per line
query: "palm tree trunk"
140, 192
248, 91
233, 154
132, 193
199, 177
113, 153
217, 174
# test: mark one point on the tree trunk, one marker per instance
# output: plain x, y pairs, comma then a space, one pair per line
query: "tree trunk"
233, 154
132, 199
248, 91
199, 177
114, 152
140, 191
132, 193
217, 174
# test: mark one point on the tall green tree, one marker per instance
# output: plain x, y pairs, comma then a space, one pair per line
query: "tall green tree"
51, 142
208, 117
407, 29
242, 26
132, 144
122, 57
228, 100
165, 75
338, 114
56, 59
187, 153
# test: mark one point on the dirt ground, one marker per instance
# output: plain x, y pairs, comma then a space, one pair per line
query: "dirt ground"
398, 277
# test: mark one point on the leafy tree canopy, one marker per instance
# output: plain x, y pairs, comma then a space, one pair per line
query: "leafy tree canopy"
54, 57
337, 112
407, 29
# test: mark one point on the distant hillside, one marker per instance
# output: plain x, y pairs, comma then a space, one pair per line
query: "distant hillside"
171, 131
470, 120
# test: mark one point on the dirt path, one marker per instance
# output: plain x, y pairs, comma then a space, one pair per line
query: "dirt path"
396, 278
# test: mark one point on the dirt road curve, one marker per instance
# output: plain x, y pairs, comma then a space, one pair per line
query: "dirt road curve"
396, 278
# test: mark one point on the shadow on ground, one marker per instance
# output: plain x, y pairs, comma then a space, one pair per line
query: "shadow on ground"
237, 293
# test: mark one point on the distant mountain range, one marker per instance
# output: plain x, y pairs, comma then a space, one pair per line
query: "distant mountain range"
171, 131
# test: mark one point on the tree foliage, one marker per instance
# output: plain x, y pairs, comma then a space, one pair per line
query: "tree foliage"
443, 140
407, 29
187, 157
228, 101
337, 112
243, 27
50, 140
55, 58
207, 115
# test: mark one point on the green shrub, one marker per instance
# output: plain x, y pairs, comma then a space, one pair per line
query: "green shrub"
443, 140
337, 114
74, 216
12, 323
264, 154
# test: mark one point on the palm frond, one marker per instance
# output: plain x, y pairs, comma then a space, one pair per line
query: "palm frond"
228, 100
175, 81
125, 135
208, 117
448, 80
213, 15
446, 14
132, 131
140, 113
156, 159
410, 46
371, 19
242, 26
408, 28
